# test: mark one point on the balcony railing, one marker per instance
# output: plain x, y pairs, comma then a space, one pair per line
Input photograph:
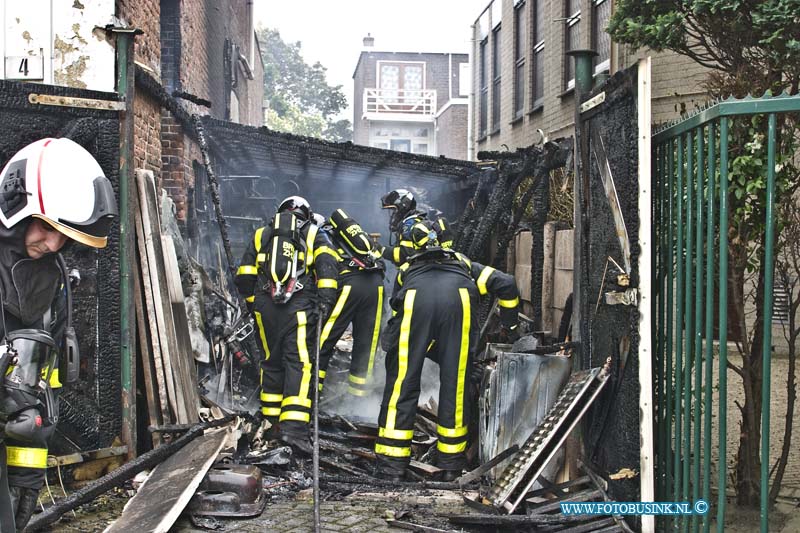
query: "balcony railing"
400, 102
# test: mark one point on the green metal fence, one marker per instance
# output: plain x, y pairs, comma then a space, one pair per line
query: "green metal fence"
690, 232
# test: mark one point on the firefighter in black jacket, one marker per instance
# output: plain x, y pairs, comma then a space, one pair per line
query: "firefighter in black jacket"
288, 274
359, 301
53, 192
435, 301
404, 214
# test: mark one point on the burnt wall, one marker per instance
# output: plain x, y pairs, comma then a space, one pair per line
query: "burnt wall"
611, 434
90, 409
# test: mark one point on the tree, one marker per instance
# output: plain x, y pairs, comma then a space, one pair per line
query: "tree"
751, 47
297, 94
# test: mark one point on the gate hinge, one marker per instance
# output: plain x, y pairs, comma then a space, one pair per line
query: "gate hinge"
71, 101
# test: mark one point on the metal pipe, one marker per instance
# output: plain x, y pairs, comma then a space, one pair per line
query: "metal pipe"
583, 70
709, 353
657, 232
766, 347
722, 464
125, 88
698, 322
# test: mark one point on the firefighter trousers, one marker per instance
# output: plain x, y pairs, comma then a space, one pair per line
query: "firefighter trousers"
287, 333
434, 307
360, 302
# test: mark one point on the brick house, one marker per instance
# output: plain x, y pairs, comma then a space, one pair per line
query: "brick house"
411, 102
523, 82
204, 52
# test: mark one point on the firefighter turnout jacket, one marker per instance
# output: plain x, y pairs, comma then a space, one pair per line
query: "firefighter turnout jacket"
435, 304
400, 253
359, 301
287, 329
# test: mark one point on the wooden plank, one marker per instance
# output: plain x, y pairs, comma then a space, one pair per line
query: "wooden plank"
149, 385
170, 486
155, 262
148, 311
184, 353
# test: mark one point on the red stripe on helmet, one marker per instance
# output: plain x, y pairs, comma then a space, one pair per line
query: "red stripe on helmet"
39, 176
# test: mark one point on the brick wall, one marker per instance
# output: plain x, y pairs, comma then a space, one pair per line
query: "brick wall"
677, 82
170, 44
451, 132
145, 15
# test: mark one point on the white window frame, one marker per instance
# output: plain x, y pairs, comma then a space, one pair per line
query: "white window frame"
606, 64
572, 20
387, 61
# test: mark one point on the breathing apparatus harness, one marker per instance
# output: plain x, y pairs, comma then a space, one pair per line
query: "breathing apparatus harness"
28, 359
286, 258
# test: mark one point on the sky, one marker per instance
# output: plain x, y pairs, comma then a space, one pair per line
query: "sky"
331, 31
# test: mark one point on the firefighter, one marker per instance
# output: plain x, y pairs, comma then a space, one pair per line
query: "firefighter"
404, 214
53, 193
359, 301
288, 275
435, 301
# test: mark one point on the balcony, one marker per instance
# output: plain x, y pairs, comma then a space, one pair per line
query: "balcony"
400, 105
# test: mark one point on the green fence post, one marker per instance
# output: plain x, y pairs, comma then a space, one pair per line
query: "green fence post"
769, 266
679, 264
658, 234
722, 478
669, 284
709, 352
688, 311
698, 323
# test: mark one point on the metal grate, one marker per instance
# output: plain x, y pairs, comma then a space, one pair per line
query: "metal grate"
529, 463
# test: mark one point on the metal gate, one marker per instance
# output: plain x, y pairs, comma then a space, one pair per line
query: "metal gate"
691, 215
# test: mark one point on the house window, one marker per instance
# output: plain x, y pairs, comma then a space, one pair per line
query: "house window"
519, 58
483, 112
572, 13
496, 82
601, 41
401, 82
537, 67
420, 148
463, 79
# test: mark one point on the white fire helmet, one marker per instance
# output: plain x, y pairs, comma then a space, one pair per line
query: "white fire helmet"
59, 182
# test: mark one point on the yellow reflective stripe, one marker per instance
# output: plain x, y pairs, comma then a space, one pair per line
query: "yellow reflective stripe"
257, 239
463, 355
396, 254
26, 457
441, 224
296, 400
396, 434
428, 349
323, 373
310, 238
355, 392
509, 304
376, 332
295, 415
451, 448
55, 382
250, 299
357, 380
423, 241
275, 251
247, 270
483, 278
402, 358
451, 432
447, 244
302, 348
325, 250
407, 244
337, 310
260, 258
327, 283
263, 334
464, 258
393, 451
271, 411
267, 397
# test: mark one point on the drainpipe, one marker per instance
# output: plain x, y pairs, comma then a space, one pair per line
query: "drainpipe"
471, 101
125, 88
580, 279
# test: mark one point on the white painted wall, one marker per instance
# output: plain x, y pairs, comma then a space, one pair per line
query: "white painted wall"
58, 42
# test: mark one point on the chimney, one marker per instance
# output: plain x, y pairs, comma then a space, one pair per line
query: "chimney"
369, 41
